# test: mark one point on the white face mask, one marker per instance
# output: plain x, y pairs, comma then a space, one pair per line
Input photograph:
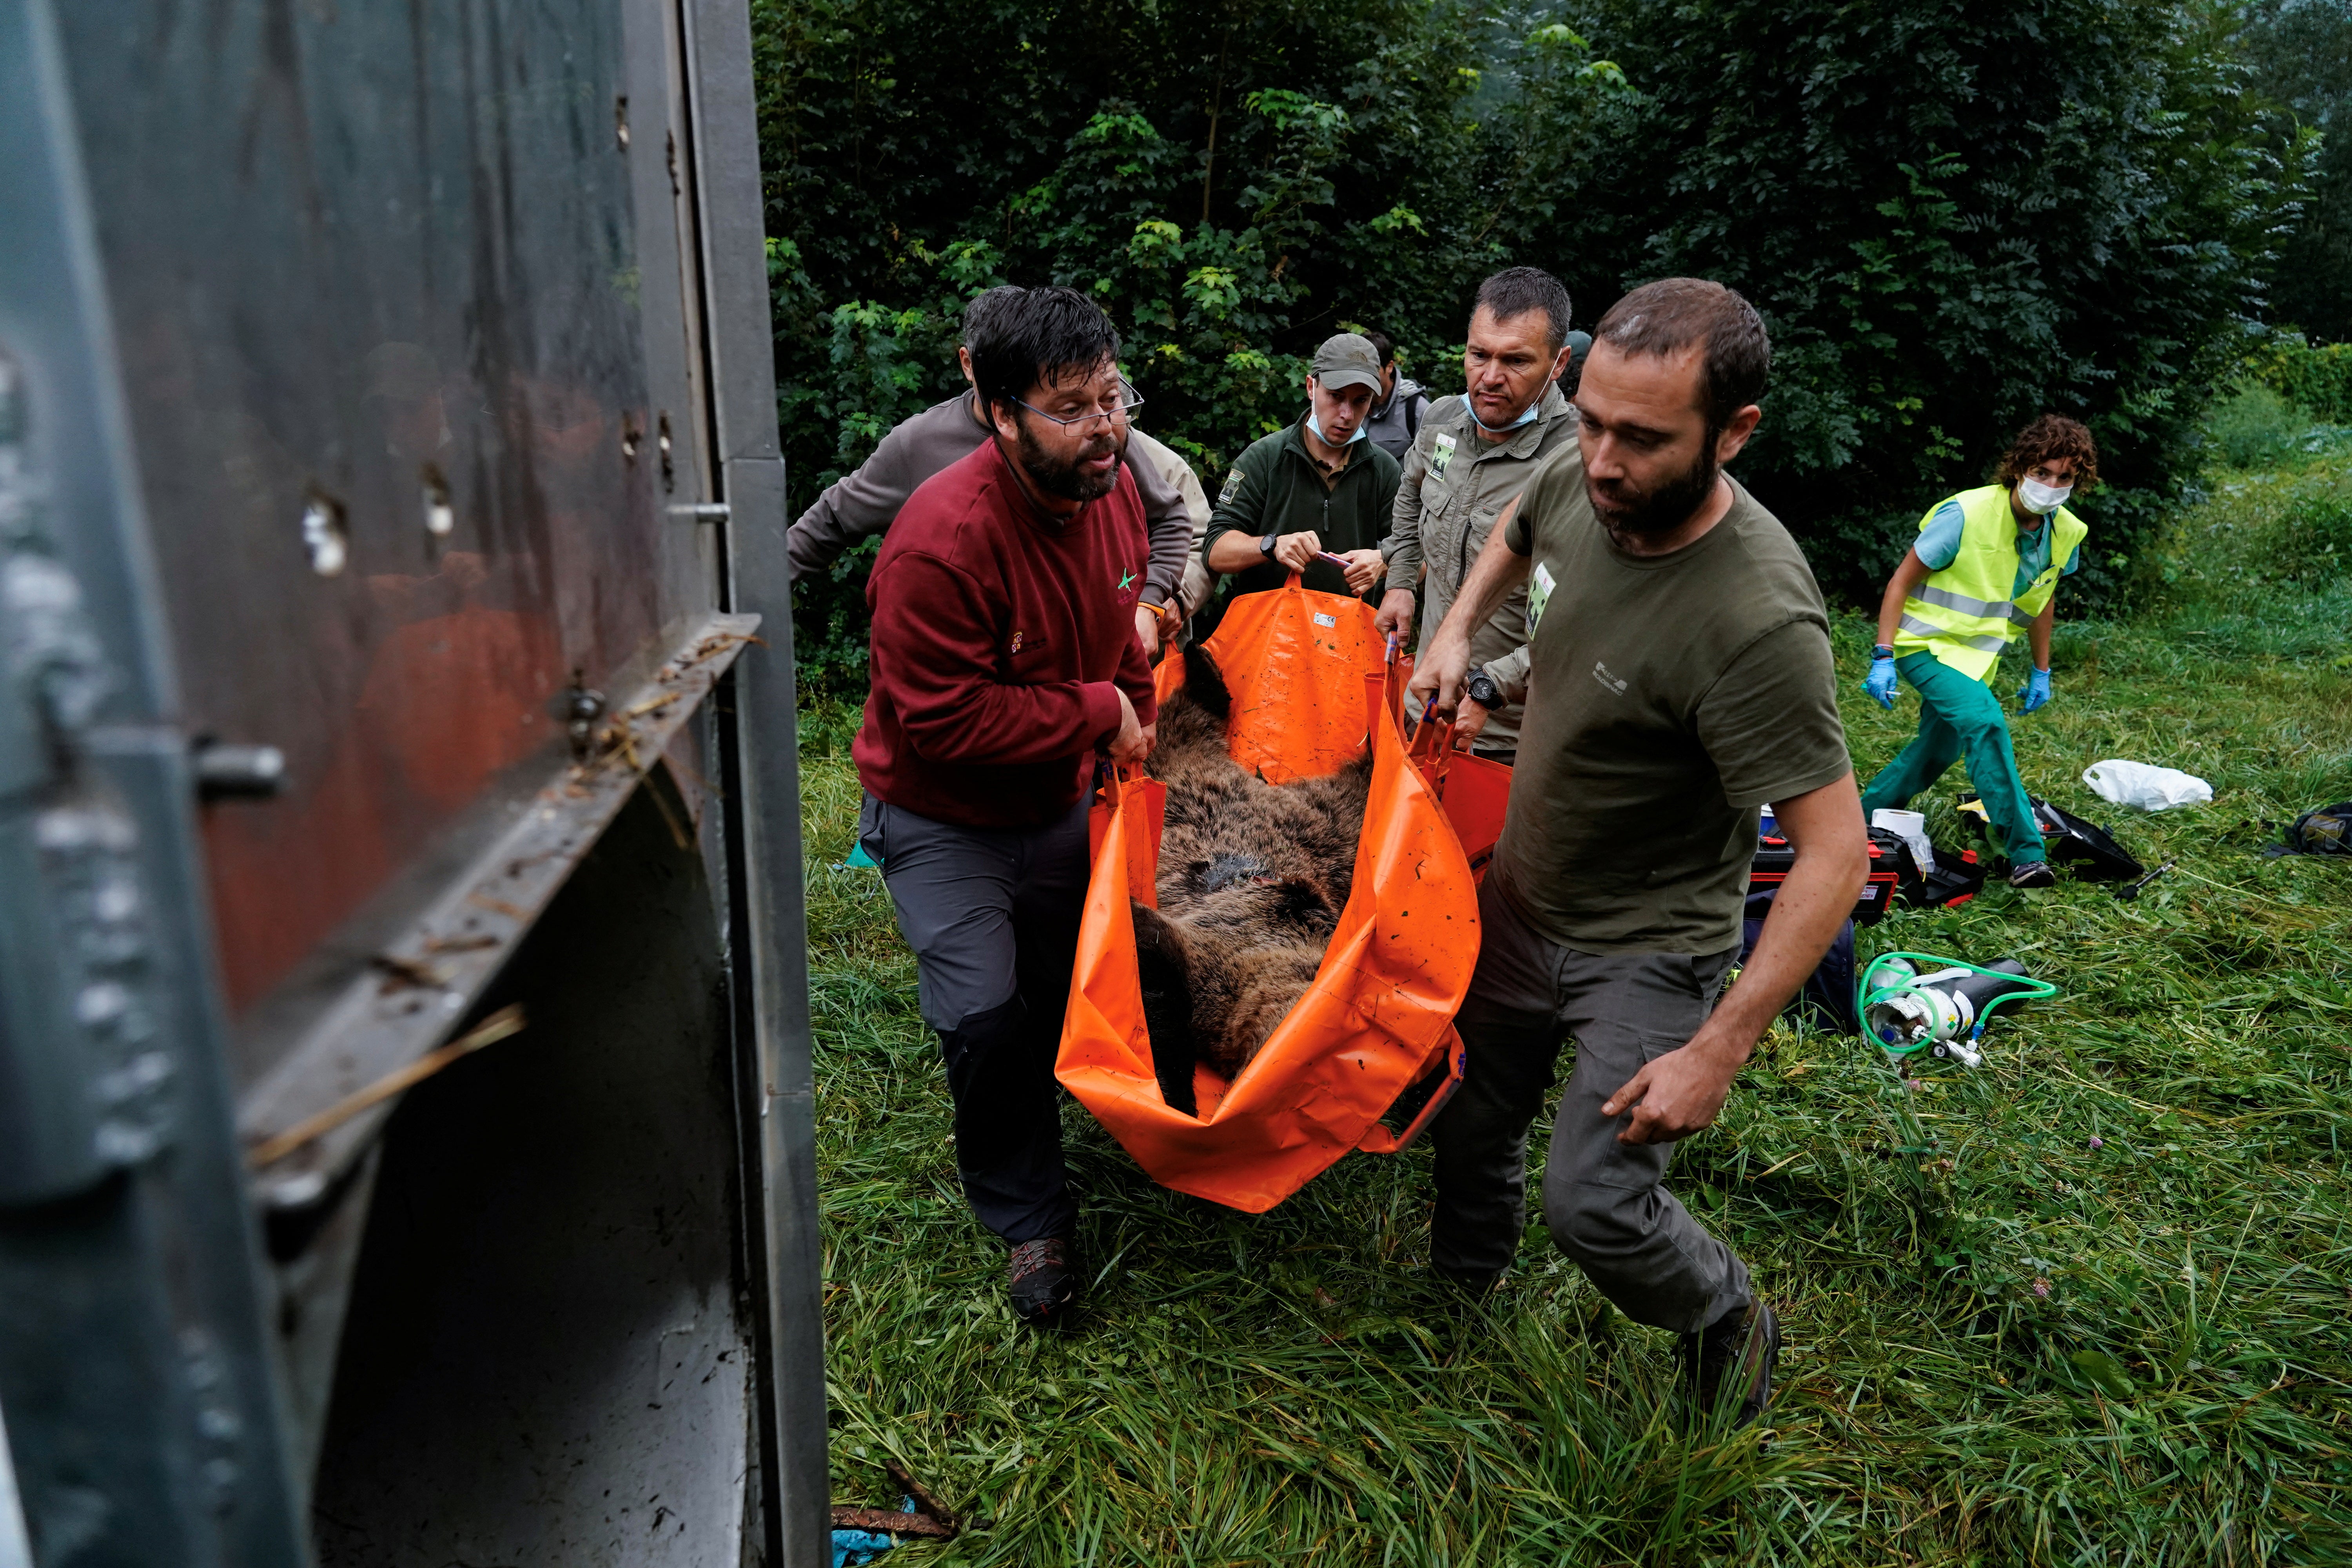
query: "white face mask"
2043, 499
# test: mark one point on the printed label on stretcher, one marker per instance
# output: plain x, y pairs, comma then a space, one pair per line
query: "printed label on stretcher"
1323, 620
1538, 595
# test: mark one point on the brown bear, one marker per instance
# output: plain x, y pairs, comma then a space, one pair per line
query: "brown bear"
1252, 877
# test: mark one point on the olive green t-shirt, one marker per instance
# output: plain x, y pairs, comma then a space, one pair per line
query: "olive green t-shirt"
1669, 697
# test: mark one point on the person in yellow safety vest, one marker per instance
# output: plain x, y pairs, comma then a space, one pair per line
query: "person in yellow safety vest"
1987, 562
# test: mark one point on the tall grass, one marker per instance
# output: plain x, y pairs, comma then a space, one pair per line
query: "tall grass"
2109, 1320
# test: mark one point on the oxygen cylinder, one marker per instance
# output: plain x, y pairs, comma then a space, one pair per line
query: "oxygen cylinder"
1940, 1009
1980, 991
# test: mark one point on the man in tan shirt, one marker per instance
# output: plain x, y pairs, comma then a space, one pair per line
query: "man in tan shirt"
1472, 457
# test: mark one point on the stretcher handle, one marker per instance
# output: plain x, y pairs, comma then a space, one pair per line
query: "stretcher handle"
1378, 1140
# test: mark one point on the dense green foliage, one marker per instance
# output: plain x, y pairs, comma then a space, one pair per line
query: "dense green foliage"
1952, 215
2320, 379
2301, 54
2105, 1324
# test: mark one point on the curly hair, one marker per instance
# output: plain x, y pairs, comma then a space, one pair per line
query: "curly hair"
2048, 438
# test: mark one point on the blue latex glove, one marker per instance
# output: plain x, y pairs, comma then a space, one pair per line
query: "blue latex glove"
1880, 681
2037, 690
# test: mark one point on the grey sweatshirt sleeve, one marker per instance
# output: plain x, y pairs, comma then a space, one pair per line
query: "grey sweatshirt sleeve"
1167, 516
1193, 590
860, 505
1403, 547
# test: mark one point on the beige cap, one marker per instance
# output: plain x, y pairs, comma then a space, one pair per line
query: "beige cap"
1347, 358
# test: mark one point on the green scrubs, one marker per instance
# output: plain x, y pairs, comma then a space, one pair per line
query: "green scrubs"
1959, 717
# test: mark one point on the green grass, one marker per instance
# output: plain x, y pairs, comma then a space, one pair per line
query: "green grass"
2111, 1322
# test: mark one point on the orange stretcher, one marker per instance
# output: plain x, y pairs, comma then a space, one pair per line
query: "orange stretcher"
1312, 685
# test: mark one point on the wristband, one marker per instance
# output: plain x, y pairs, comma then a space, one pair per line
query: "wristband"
1880, 650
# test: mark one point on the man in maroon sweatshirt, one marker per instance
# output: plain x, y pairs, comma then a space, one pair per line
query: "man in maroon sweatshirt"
1005, 662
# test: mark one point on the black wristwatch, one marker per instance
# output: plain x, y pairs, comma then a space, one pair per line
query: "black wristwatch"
1266, 545
1482, 690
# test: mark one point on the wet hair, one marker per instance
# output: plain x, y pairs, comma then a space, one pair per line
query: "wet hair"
1044, 337
1516, 290
982, 315
1383, 347
1665, 318
2048, 438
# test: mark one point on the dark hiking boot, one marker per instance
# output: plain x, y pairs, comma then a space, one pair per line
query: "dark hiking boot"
1043, 1277
2033, 874
1739, 1349
1473, 1285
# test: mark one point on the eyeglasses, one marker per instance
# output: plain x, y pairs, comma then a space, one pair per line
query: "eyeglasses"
1118, 413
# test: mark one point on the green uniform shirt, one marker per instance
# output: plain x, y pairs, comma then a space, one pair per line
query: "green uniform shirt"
1670, 696
1276, 488
1456, 483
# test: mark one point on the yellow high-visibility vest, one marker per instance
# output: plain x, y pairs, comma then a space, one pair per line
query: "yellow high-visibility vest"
1964, 615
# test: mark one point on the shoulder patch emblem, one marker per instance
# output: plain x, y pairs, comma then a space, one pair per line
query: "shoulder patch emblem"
1232, 488
1441, 453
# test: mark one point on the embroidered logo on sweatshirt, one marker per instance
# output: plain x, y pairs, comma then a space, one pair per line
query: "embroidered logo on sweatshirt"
1017, 640
1129, 586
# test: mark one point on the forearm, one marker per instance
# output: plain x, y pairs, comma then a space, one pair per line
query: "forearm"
1232, 550
989, 722
2038, 633
1498, 570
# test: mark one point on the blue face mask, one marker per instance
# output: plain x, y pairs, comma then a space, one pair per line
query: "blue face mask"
1316, 425
1527, 415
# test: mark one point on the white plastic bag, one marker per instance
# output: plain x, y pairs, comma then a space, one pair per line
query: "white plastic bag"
1910, 826
2146, 786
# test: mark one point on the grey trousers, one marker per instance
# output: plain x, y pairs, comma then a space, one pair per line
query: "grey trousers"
992, 916
1602, 1201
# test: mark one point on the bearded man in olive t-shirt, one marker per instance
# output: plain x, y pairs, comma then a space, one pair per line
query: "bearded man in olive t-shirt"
1681, 678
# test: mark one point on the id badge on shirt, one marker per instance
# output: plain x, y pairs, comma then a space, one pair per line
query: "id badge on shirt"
1440, 452
1538, 595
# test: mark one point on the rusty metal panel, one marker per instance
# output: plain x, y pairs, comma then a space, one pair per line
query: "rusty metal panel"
408, 305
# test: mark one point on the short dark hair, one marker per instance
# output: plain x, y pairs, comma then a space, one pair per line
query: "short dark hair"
1516, 290
1665, 318
1044, 337
1383, 347
2049, 437
983, 314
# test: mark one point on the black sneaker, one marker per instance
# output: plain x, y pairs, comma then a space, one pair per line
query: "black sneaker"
2033, 874
1741, 1347
1043, 1277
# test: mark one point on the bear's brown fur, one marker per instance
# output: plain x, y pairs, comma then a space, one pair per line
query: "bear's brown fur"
1252, 877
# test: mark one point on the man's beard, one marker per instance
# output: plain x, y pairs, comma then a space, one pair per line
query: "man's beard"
1648, 515
1060, 476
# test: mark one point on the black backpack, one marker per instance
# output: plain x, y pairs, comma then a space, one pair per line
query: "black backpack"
2328, 831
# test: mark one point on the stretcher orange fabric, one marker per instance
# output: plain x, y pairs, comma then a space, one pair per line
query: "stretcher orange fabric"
1308, 676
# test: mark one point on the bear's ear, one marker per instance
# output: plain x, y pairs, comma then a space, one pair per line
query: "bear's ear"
1205, 683
1158, 944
